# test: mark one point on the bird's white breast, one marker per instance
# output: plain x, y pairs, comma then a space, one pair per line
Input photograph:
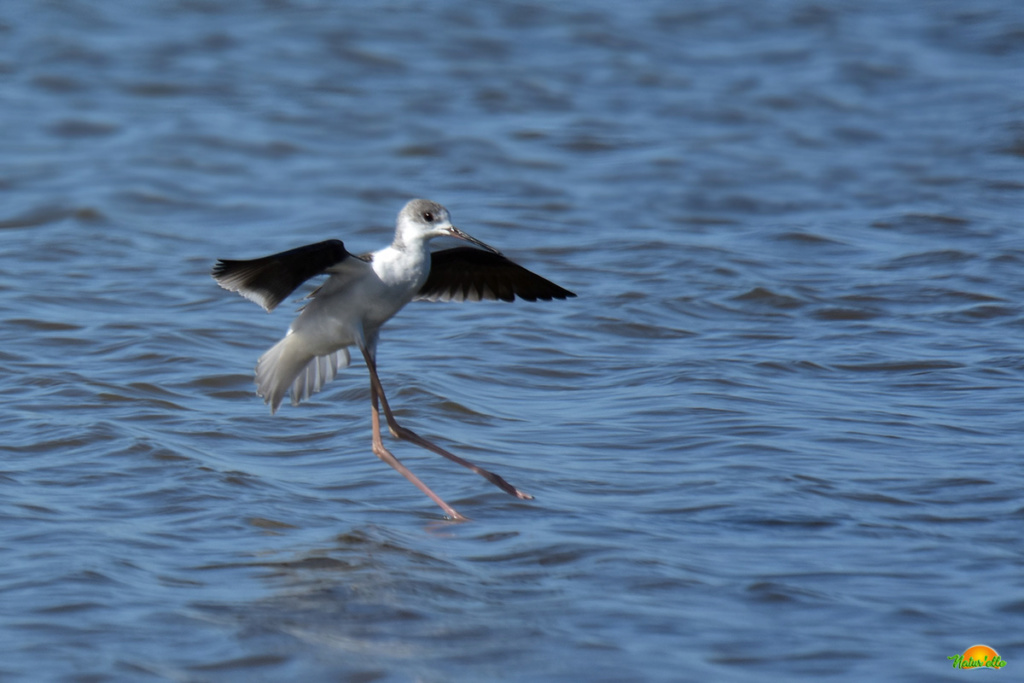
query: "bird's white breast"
402, 269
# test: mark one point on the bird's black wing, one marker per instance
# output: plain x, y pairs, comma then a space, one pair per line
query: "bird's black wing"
269, 280
465, 273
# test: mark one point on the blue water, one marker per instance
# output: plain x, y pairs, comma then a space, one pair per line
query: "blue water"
777, 436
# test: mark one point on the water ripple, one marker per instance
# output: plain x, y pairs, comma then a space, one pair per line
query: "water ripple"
779, 424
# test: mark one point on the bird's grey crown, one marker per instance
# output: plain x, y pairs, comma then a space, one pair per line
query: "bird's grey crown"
420, 209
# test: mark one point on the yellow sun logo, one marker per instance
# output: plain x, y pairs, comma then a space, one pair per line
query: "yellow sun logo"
978, 657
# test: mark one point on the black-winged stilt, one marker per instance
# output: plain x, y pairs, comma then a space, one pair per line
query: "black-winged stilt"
363, 292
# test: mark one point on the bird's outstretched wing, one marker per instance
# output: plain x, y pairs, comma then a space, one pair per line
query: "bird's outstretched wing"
468, 274
269, 280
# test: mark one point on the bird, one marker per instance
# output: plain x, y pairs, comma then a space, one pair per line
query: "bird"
360, 294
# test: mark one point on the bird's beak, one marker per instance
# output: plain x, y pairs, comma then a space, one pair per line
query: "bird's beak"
458, 234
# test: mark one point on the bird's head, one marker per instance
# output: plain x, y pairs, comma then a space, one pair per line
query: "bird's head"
423, 220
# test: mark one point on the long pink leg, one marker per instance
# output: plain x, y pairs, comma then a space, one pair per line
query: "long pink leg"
404, 433
384, 454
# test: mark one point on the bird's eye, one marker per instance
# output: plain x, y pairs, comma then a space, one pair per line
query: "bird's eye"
428, 217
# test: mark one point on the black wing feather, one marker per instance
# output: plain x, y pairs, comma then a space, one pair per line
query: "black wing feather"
269, 280
466, 273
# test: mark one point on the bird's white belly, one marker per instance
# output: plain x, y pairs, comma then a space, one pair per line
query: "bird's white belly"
349, 316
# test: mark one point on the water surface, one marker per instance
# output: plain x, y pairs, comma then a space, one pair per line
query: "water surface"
777, 436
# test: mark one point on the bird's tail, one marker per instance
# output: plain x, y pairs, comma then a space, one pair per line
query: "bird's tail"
289, 364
